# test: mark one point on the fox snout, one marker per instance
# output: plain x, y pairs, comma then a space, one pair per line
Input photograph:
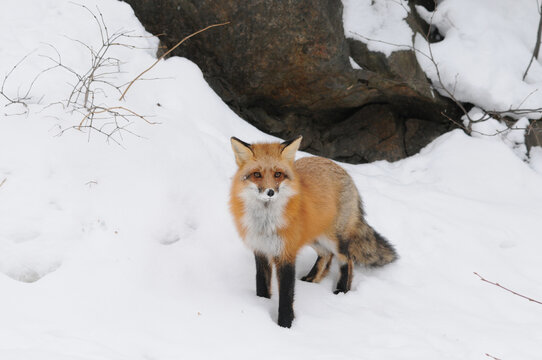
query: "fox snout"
268, 194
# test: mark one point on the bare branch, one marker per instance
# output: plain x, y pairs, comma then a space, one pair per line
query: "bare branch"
15, 100
504, 288
536, 49
112, 111
13, 69
167, 52
493, 357
21, 99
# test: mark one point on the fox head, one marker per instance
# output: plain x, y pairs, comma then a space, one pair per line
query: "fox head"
266, 170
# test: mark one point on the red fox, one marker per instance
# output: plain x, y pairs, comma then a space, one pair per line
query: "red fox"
279, 205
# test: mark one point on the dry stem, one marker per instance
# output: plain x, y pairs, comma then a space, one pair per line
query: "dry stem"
111, 111
493, 357
537, 45
504, 288
167, 52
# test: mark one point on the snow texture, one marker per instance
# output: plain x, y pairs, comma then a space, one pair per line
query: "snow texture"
128, 251
484, 126
380, 24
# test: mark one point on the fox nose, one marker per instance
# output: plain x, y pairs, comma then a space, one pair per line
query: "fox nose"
270, 192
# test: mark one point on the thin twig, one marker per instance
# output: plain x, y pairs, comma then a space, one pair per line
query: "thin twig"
166, 53
111, 110
91, 182
491, 356
504, 288
537, 45
18, 99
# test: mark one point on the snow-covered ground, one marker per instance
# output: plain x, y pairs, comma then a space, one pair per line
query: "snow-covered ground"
128, 251
379, 23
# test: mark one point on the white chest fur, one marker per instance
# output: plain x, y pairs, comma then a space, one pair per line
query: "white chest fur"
262, 219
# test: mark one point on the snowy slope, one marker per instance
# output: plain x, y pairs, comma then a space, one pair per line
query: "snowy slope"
128, 252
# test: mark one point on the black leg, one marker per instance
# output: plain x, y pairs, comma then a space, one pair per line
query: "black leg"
286, 278
345, 281
312, 274
263, 276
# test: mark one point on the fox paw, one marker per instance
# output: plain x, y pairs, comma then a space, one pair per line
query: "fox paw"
286, 320
264, 294
307, 278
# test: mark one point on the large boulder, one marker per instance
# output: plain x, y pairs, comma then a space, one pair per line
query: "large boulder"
284, 66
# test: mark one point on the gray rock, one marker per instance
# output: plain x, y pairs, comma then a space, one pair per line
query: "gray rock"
283, 65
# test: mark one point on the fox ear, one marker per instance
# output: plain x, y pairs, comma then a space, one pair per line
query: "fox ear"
242, 150
290, 147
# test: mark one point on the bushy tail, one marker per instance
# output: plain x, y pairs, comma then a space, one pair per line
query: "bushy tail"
372, 249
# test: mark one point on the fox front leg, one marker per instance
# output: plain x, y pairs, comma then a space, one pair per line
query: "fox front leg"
286, 279
263, 276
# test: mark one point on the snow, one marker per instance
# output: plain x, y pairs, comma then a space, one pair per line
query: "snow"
128, 251
354, 64
486, 49
380, 24
484, 126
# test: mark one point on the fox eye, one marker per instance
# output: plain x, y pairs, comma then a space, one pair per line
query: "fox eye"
257, 174
278, 174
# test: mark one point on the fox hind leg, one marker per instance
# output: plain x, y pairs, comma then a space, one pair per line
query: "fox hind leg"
346, 265
320, 268
345, 280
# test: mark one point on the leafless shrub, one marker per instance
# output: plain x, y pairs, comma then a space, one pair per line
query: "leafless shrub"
91, 86
96, 82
